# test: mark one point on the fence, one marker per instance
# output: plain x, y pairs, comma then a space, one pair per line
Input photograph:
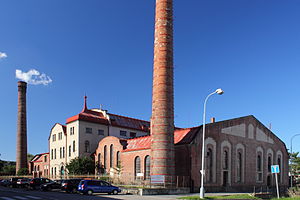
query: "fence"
125, 179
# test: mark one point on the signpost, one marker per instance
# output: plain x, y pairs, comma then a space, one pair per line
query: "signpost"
275, 170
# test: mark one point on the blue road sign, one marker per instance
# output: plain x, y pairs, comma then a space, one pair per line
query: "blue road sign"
275, 169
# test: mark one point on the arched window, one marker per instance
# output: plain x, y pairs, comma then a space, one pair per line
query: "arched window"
34, 168
99, 159
54, 171
147, 168
269, 163
259, 163
105, 156
38, 168
137, 166
111, 155
280, 169
225, 161
239, 167
209, 164
87, 146
118, 161
62, 171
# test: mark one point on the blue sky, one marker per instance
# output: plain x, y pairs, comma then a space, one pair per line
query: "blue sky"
250, 48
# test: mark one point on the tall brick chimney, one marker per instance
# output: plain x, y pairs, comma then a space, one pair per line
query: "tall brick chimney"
162, 119
21, 160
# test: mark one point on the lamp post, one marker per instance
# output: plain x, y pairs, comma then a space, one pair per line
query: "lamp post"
290, 157
218, 91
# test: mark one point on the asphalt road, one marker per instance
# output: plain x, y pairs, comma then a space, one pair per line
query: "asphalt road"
23, 194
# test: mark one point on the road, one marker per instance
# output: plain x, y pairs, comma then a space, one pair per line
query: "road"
23, 194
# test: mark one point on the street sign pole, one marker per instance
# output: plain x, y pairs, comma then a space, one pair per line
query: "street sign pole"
276, 177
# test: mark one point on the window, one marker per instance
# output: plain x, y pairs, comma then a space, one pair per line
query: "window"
137, 166
225, 161
63, 152
38, 168
111, 156
99, 160
45, 158
280, 169
123, 133
60, 136
259, 168
55, 171
132, 134
89, 130
54, 153
74, 146
105, 156
239, 167
209, 164
87, 146
100, 132
51, 154
70, 151
72, 131
60, 152
269, 163
52, 171
147, 168
118, 162
53, 137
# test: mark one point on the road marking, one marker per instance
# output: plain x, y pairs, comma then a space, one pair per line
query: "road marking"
6, 198
19, 197
33, 197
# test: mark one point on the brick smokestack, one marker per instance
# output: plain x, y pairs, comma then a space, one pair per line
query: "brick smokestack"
21, 160
162, 120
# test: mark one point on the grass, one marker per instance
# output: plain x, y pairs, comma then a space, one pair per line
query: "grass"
238, 196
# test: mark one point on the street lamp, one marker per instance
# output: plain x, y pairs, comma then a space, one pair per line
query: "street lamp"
218, 91
290, 157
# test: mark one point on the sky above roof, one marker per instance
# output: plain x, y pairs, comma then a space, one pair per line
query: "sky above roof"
104, 49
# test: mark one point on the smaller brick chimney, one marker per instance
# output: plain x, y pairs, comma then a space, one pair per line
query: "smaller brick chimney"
212, 120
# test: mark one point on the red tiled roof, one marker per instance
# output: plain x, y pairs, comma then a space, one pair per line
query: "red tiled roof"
127, 122
144, 142
90, 116
115, 120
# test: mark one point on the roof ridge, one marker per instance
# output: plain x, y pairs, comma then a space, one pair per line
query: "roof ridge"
138, 137
128, 117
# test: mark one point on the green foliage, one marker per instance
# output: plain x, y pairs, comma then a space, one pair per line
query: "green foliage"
9, 170
82, 165
238, 196
23, 171
295, 163
29, 157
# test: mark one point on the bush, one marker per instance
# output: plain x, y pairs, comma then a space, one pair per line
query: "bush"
23, 171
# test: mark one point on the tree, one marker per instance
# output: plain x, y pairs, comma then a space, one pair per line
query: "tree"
23, 171
9, 170
82, 165
29, 157
295, 163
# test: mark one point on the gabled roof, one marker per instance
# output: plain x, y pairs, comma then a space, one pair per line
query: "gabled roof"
144, 142
64, 128
37, 157
101, 117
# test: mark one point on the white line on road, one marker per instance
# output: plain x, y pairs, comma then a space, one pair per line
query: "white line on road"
6, 198
19, 197
33, 197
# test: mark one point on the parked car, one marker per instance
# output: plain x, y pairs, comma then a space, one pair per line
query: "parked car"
5, 182
37, 182
97, 186
13, 181
50, 186
70, 185
23, 182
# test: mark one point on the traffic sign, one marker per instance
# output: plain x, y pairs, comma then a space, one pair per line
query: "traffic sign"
275, 169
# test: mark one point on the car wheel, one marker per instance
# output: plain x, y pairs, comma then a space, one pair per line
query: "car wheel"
89, 192
115, 192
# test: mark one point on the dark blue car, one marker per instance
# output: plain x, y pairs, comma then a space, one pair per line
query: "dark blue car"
97, 186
